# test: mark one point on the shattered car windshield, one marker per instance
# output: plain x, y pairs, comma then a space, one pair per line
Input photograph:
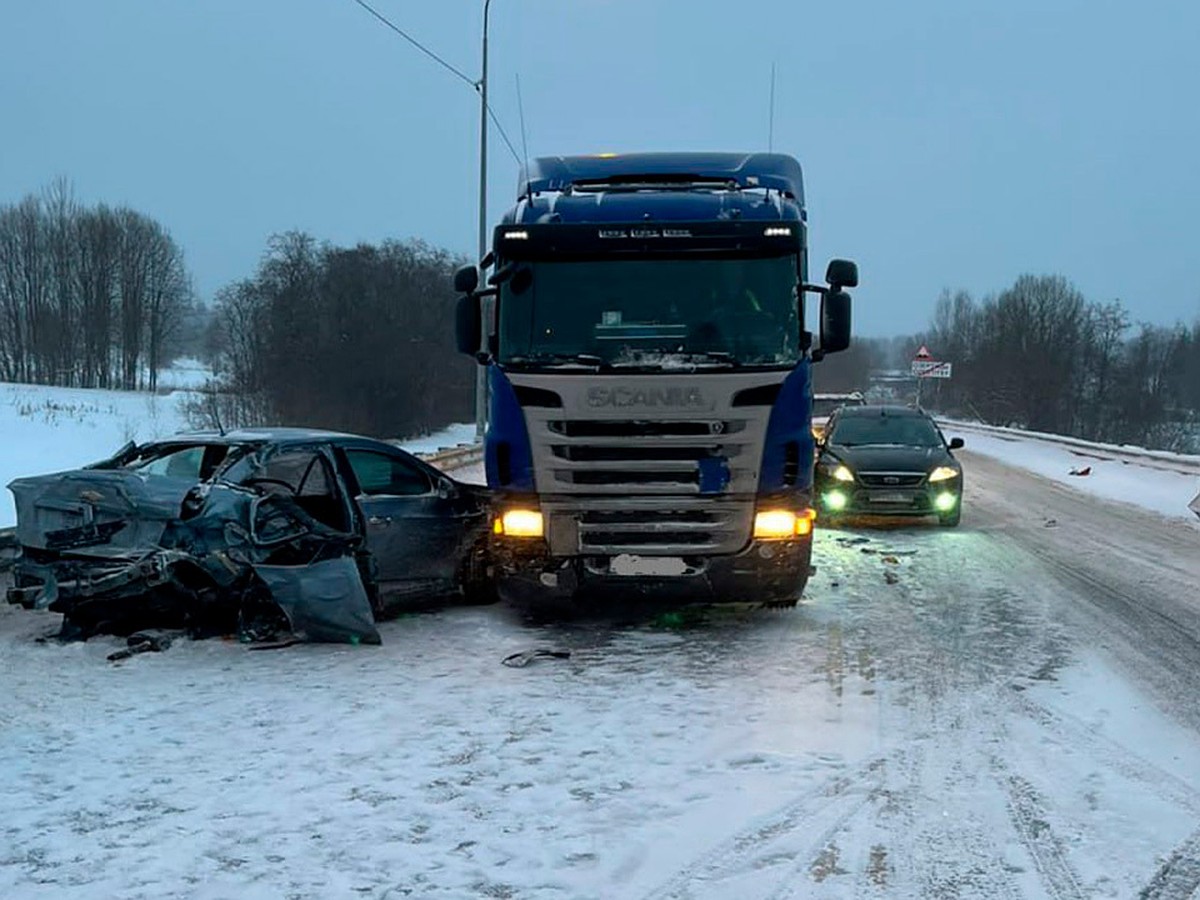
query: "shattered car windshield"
644, 311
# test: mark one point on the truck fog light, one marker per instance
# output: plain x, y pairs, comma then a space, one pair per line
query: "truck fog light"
945, 502
835, 500
522, 523
766, 551
781, 524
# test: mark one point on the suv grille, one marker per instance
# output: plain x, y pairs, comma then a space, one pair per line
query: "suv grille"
891, 479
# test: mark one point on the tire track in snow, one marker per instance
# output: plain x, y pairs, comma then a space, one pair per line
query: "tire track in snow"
1071, 732
1027, 810
1179, 877
840, 797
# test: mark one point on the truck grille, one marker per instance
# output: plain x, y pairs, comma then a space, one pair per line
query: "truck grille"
678, 527
662, 457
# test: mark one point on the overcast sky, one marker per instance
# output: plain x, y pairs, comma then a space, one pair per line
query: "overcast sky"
946, 143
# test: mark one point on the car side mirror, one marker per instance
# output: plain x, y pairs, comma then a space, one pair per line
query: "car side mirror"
957, 443
842, 273
446, 489
466, 279
468, 324
835, 321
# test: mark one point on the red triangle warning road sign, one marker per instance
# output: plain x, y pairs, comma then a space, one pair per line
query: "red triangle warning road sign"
923, 353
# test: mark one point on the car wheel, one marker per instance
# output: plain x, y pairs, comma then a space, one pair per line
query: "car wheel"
950, 520
478, 586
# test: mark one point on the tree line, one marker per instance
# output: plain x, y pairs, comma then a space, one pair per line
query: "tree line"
357, 339
1041, 356
90, 296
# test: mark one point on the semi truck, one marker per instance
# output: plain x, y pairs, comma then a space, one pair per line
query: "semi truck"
642, 318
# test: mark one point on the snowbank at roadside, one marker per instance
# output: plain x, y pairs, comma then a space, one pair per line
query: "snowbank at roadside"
1160, 490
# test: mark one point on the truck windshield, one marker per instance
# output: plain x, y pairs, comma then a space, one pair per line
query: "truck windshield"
651, 312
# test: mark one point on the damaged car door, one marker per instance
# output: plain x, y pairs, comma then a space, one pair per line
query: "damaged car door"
417, 529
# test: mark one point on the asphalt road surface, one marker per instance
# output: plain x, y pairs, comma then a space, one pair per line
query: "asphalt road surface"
1006, 709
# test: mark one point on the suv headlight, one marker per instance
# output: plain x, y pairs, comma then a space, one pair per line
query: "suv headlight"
943, 473
841, 473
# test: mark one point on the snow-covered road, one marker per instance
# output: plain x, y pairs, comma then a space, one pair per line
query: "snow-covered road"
1003, 710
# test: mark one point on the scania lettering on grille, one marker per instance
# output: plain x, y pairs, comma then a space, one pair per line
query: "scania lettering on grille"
649, 397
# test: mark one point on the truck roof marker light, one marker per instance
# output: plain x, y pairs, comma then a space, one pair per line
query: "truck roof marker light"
777, 231
517, 235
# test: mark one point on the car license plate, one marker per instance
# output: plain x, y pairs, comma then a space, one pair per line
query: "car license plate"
661, 566
893, 497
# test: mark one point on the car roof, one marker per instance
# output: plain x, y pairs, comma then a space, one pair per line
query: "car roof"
898, 412
271, 435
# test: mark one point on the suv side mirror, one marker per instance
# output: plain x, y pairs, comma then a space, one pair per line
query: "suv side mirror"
842, 273
835, 321
466, 279
468, 324
957, 443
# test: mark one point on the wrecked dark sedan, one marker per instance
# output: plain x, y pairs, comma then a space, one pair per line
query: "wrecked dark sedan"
272, 534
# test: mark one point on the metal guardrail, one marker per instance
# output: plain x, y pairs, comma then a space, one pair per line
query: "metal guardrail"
450, 458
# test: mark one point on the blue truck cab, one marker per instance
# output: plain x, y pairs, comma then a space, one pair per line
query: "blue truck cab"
649, 429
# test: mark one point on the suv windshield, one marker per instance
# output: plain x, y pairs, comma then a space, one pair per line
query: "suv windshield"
911, 431
652, 312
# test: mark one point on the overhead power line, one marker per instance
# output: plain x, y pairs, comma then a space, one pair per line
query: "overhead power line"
412, 40
445, 65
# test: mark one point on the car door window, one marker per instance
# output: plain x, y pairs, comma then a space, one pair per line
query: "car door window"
383, 475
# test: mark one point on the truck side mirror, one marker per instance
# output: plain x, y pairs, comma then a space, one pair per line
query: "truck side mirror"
835, 321
842, 273
957, 443
466, 279
467, 324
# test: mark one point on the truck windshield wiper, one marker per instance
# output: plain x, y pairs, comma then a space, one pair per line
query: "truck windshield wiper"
681, 361
557, 359
717, 356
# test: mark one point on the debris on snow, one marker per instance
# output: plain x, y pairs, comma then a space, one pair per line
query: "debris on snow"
1083, 470
525, 657
144, 642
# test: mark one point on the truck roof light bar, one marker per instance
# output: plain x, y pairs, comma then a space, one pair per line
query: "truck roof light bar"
663, 171
777, 231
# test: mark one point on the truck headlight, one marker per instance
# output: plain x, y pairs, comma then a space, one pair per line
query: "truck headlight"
521, 523
943, 473
842, 473
782, 524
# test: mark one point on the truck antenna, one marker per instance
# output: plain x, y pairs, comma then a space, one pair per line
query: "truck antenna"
771, 115
524, 135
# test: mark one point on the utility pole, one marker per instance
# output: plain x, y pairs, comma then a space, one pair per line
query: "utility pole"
481, 374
